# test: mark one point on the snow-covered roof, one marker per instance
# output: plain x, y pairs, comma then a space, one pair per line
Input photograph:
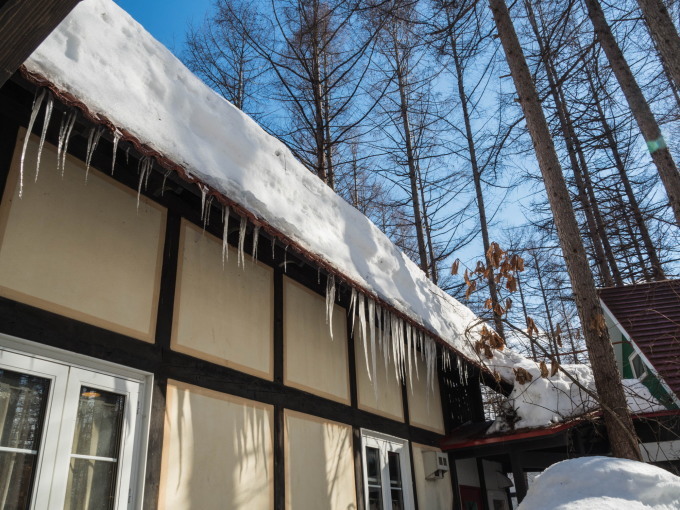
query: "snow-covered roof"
105, 60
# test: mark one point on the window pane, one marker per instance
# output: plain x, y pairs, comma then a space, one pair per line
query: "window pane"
373, 466
397, 499
16, 475
23, 399
91, 485
375, 498
98, 424
91, 482
395, 469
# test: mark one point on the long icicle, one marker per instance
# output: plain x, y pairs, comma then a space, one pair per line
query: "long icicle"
37, 103
353, 307
116, 139
417, 342
256, 241
394, 339
362, 324
330, 302
67, 139
409, 349
371, 330
225, 234
92, 141
43, 135
386, 337
242, 242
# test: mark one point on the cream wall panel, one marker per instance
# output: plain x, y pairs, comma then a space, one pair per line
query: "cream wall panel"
319, 464
223, 313
80, 249
217, 452
389, 396
425, 405
432, 494
314, 362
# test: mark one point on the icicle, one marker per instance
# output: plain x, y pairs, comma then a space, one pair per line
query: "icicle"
431, 366
206, 216
127, 155
416, 343
273, 246
46, 123
318, 275
116, 139
92, 141
165, 178
409, 348
37, 103
256, 241
204, 193
353, 306
67, 122
395, 355
225, 233
242, 242
285, 259
330, 302
371, 330
386, 337
145, 166
362, 326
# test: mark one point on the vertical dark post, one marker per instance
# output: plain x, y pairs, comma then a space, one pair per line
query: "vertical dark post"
453, 471
407, 420
358, 468
279, 417
164, 319
482, 483
518, 476
9, 131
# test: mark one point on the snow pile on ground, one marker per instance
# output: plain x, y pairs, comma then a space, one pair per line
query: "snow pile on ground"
544, 401
106, 60
603, 483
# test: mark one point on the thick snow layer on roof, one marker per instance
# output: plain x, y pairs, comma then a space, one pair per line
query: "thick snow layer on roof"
603, 483
106, 60
545, 401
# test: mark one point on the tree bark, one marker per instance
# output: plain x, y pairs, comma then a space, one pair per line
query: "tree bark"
607, 379
665, 35
661, 155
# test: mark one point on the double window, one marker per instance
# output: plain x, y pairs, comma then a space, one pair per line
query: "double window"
387, 472
67, 435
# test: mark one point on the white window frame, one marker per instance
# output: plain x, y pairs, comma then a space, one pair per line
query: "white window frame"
386, 443
644, 374
67, 372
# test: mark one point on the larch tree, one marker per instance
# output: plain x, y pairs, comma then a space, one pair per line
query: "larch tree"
607, 380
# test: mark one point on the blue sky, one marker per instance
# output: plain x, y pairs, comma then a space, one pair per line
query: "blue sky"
167, 20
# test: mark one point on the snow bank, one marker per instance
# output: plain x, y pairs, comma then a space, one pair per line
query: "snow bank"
603, 483
105, 59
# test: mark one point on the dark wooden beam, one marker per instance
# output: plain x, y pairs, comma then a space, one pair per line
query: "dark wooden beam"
23, 26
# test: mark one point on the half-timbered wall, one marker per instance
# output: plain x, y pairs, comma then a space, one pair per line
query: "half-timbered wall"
254, 405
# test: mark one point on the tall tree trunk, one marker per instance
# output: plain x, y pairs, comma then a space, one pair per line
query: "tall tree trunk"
477, 179
526, 316
665, 35
608, 132
411, 161
596, 235
428, 231
661, 155
607, 379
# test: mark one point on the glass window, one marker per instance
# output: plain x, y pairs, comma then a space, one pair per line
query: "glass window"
638, 366
66, 436
387, 471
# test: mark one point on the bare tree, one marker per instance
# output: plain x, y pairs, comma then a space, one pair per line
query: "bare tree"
617, 418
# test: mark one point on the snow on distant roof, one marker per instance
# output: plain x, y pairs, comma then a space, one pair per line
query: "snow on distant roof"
107, 61
603, 483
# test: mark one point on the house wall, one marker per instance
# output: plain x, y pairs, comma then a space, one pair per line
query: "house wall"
432, 494
254, 405
217, 451
224, 312
319, 464
80, 247
425, 404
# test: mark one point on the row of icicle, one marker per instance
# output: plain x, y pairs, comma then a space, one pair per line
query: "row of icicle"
382, 333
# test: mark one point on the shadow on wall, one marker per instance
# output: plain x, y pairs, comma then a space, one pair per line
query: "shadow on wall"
217, 451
